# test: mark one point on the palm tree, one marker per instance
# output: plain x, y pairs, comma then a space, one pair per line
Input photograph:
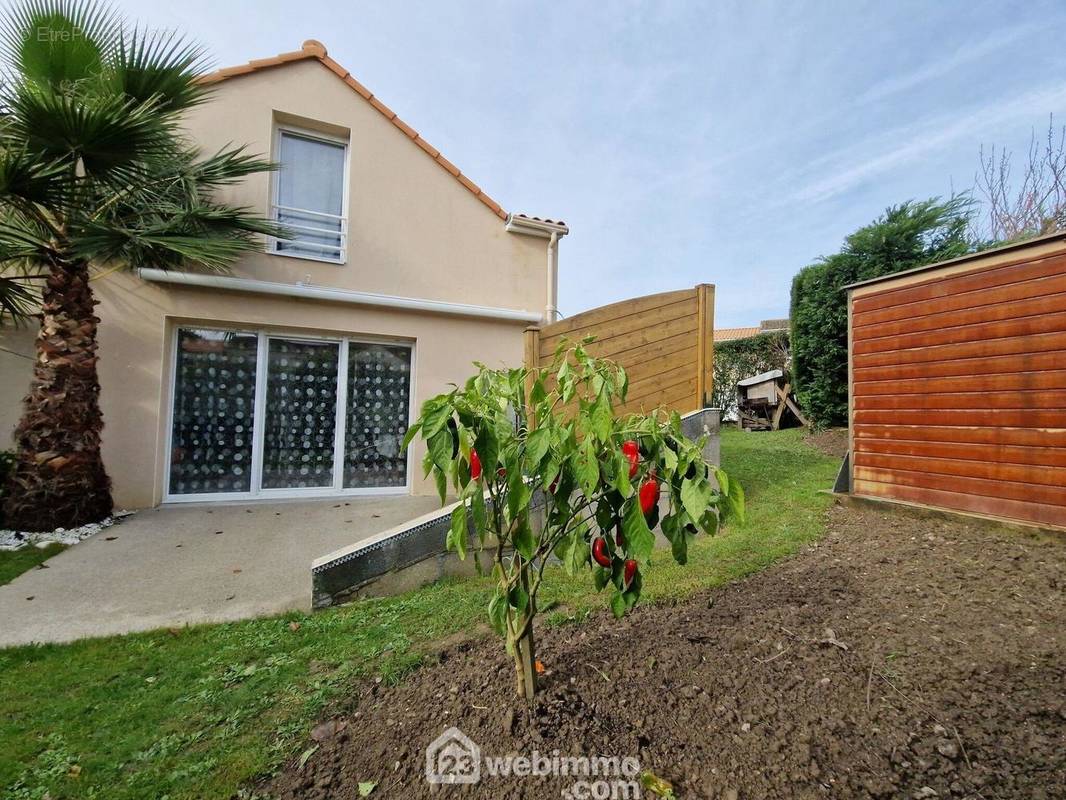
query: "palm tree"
95, 173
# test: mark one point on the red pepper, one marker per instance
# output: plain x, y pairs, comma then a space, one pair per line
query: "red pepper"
649, 495
618, 540
554, 485
632, 453
599, 552
475, 464
629, 572
501, 472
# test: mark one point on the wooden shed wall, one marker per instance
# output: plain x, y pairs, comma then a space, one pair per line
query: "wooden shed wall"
958, 388
664, 341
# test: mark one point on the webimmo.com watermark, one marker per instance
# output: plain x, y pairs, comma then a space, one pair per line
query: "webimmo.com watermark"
455, 758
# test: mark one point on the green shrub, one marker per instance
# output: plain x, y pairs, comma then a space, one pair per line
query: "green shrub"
741, 358
905, 236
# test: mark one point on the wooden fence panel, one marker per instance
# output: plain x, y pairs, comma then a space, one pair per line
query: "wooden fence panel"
664, 341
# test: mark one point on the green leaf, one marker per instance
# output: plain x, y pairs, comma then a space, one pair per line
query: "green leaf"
640, 541
440, 449
536, 447
519, 598
620, 479
669, 459
458, 532
523, 540
601, 418
435, 415
518, 493
736, 500
366, 787
600, 578
498, 613
487, 446
441, 480
618, 604
587, 468
480, 512
305, 755
695, 496
410, 435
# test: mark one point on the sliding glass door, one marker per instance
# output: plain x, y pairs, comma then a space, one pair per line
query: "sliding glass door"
258, 415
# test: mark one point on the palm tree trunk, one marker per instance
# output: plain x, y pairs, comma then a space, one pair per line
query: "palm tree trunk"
59, 480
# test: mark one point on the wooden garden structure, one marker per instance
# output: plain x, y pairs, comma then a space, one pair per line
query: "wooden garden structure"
957, 376
664, 341
764, 400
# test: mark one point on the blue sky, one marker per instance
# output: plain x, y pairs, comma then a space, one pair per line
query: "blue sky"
730, 142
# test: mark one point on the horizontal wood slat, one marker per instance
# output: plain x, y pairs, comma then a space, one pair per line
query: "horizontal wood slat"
1037, 513
1040, 343
993, 365
989, 470
1040, 287
1001, 329
1046, 418
624, 308
1008, 454
1045, 304
1007, 490
931, 432
977, 280
1017, 381
605, 332
963, 400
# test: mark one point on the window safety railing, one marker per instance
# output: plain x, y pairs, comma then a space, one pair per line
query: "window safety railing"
315, 234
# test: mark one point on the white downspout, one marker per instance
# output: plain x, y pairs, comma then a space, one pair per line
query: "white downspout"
551, 310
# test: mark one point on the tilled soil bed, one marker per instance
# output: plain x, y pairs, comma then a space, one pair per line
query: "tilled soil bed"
900, 657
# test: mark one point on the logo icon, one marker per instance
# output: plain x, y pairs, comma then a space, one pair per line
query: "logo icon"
453, 758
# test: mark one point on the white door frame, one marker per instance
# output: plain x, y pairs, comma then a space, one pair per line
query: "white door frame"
256, 492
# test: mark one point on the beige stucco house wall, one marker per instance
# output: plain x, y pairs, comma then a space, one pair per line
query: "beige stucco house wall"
417, 230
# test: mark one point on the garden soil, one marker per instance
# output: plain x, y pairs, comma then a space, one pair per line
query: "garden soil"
900, 657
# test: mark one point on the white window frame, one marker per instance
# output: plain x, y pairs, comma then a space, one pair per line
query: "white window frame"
275, 193
256, 492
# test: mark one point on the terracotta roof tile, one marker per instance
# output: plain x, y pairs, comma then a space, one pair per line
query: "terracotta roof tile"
728, 334
448, 165
316, 50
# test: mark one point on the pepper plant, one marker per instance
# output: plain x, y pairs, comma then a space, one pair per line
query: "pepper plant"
545, 469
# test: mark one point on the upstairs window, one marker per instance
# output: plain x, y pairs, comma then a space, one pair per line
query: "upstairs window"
309, 196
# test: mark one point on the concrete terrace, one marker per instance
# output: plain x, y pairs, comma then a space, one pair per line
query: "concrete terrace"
188, 564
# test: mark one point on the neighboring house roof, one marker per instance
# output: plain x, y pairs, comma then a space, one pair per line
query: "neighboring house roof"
313, 49
727, 334
766, 326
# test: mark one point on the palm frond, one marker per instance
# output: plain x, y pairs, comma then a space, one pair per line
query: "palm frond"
55, 43
158, 66
19, 300
103, 132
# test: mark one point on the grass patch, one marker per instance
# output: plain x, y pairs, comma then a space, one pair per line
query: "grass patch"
193, 713
14, 562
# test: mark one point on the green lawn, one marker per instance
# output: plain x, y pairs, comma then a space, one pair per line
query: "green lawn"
14, 562
196, 712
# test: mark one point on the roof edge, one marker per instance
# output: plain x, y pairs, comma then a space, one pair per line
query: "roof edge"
980, 254
314, 49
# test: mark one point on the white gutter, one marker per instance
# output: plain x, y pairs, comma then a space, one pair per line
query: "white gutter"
551, 310
310, 292
552, 231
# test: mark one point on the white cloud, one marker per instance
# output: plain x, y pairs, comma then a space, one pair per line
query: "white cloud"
908, 143
936, 69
